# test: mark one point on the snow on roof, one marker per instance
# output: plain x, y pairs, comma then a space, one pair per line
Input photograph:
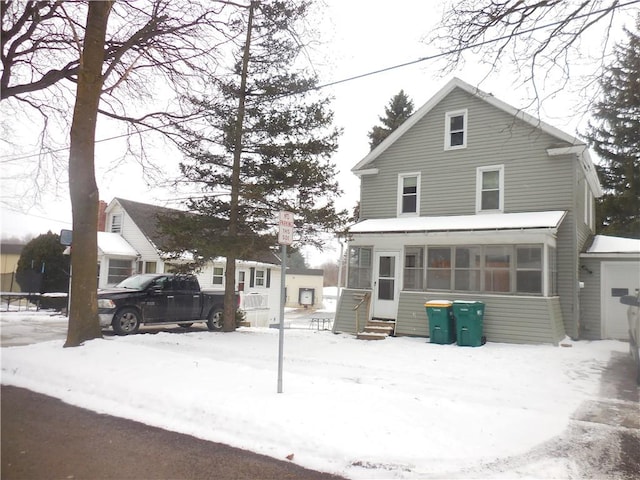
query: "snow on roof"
113, 244
485, 221
606, 244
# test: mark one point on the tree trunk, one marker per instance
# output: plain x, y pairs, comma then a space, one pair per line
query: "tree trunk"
229, 317
83, 314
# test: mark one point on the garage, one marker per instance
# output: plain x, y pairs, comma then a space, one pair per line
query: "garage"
609, 270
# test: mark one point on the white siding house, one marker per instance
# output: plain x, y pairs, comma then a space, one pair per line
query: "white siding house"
130, 245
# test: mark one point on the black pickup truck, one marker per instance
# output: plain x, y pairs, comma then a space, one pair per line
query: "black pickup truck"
158, 298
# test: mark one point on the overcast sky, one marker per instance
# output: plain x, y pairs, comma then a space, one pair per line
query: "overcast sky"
357, 37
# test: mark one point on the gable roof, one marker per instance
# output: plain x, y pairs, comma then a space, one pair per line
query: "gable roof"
145, 216
577, 146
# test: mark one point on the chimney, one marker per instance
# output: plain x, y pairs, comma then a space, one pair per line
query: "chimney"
102, 216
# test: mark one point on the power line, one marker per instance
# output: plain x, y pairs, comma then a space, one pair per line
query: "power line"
358, 77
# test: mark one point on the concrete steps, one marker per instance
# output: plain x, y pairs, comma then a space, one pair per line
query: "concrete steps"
377, 329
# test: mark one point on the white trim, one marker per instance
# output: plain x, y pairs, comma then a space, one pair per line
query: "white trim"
479, 172
447, 129
450, 223
368, 171
401, 177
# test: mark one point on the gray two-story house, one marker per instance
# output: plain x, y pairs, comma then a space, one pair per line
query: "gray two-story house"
472, 199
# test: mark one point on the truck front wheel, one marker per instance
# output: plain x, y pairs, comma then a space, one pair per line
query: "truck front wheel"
126, 321
214, 322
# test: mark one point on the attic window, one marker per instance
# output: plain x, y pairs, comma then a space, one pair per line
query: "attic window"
116, 223
455, 126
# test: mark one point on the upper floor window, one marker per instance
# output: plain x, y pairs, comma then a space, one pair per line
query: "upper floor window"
408, 194
490, 189
455, 135
116, 223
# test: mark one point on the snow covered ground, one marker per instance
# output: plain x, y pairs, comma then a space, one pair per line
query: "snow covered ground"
397, 408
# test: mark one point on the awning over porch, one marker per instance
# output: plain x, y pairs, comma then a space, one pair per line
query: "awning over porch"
486, 221
113, 245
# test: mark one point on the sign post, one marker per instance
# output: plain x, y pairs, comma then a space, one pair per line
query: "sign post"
285, 237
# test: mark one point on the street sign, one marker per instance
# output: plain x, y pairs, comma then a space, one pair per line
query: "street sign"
65, 237
285, 228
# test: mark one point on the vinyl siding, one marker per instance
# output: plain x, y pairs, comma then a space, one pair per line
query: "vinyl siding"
533, 179
590, 299
529, 320
345, 320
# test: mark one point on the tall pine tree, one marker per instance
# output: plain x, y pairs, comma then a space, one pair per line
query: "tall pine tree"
264, 146
615, 137
400, 108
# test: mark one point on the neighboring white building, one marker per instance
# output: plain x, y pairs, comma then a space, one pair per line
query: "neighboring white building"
129, 245
304, 288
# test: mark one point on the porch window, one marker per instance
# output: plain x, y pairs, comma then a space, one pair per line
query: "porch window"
150, 267
553, 271
360, 267
409, 194
439, 268
455, 130
218, 276
413, 268
118, 270
497, 269
529, 269
490, 189
467, 269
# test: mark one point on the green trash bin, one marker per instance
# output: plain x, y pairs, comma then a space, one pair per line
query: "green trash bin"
441, 323
469, 317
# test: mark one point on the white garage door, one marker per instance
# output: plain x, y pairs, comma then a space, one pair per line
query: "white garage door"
618, 279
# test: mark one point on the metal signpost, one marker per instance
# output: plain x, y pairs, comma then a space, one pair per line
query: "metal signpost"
285, 237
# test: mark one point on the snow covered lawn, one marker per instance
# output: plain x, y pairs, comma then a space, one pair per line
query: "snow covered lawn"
397, 408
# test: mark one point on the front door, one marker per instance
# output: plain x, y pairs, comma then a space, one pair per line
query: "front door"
386, 285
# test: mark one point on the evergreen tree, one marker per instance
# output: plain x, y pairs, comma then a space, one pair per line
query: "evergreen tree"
615, 137
296, 260
399, 109
265, 146
42, 262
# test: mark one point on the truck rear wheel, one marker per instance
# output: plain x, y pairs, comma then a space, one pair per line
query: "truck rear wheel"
214, 322
126, 321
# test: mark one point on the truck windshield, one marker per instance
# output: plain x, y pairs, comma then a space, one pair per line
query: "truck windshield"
137, 282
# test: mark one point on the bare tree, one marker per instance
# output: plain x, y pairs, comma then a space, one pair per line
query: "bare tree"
154, 51
44, 61
545, 40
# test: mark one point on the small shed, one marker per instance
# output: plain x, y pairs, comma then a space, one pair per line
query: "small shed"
304, 288
609, 270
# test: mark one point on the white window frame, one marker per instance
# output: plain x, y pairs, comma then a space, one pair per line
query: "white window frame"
261, 279
448, 132
217, 278
401, 178
120, 217
589, 217
479, 172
